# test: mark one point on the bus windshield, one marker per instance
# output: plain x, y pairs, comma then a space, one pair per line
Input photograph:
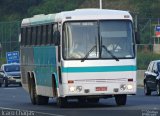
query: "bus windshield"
104, 39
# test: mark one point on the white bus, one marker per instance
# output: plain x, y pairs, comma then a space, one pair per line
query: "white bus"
84, 54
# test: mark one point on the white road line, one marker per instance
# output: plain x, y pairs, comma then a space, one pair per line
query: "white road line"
50, 114
10, 88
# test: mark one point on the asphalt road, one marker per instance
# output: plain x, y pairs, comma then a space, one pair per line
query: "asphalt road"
15, 101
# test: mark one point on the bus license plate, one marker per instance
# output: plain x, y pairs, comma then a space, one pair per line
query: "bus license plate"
101, 88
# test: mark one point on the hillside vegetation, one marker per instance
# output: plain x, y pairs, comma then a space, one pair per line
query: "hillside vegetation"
17, 9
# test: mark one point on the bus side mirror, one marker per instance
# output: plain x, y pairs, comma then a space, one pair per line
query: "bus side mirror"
137, 38
56, 36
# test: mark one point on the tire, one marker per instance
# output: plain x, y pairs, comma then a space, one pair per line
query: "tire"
37, 99
61, 102
147, 91
42, 100
5, 82
121, 99
158, 89
32, 92
93, 100
0, 84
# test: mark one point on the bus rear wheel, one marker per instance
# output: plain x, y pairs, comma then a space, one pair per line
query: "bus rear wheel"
37, 99
33, 92
121, 99
41, 100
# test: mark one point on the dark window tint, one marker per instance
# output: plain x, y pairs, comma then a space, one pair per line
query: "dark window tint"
34, 35
44, 35
39, 34
55, 28
50, 33
23, 36
29, 33
11, 68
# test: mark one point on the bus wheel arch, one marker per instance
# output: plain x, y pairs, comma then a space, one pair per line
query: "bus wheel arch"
54, 85
29, 81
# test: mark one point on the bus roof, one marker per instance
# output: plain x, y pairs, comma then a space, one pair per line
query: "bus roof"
93, 14
78, 14
38, 20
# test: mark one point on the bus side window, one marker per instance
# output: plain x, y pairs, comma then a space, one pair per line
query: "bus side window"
36, 32
29, 32
34, 36
39, 35
23, 36
26, 37
50, 33
43, 41
46, 39
56, 35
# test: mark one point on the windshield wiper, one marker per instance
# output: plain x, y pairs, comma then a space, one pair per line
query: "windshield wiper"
85, 57
113, 56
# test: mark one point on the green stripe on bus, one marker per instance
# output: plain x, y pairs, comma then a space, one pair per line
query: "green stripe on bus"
98, 69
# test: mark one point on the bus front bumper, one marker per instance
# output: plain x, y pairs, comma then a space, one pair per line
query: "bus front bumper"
98, 89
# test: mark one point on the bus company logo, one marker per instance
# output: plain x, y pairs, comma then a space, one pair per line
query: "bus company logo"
17, 113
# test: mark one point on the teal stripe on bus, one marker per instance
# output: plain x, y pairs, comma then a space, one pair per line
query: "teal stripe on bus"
98, 69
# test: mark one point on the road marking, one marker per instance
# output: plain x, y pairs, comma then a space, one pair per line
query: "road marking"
10, 88
50, 114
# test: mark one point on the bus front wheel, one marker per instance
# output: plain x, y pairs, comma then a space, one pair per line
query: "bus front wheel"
121, 99
61, 102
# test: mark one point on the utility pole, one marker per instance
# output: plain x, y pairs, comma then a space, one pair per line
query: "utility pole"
100, 4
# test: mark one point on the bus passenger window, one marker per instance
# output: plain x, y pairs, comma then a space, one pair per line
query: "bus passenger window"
36, 28
29, 32
39, 33
49, 34
46, 40
34, 36
23, 36
43, 35
26, 36
54, 34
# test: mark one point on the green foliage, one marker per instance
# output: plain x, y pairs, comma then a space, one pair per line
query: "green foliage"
53, 6
2, 61
144, 58
18, 9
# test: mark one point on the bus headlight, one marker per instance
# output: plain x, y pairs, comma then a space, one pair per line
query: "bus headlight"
72, 89
129, 87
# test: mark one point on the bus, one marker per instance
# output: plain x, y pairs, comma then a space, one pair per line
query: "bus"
83, 54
